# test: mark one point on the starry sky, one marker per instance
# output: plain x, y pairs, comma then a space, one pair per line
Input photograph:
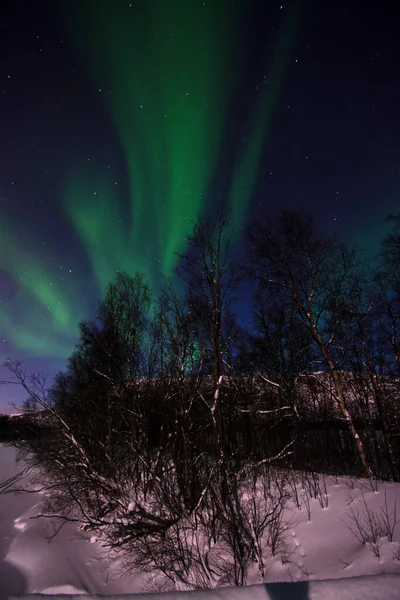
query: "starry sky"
122, 121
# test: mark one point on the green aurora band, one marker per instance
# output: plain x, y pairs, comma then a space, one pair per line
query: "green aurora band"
245, 175
171, 75
168, 79
40, 316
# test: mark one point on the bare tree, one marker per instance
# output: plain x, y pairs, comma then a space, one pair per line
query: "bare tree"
125, 314
210, 280
387, 296
182, 345
317, 276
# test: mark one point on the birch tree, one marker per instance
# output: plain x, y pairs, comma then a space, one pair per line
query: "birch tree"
210, 277
318, 277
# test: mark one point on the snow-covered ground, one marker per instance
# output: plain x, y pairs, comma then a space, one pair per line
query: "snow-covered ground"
29, 562
319, 547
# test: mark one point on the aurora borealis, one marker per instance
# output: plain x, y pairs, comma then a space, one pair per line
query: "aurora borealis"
173, 71
124, 121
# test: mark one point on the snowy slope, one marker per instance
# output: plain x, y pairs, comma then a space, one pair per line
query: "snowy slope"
30, 563
376, 587
315, 548
324, 548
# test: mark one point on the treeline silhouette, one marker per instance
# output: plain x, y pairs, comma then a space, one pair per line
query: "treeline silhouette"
20, 427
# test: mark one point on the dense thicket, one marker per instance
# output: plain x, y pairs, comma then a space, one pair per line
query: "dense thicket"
170, 404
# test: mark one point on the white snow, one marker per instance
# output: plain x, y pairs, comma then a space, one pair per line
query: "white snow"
30, 563
73, 562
